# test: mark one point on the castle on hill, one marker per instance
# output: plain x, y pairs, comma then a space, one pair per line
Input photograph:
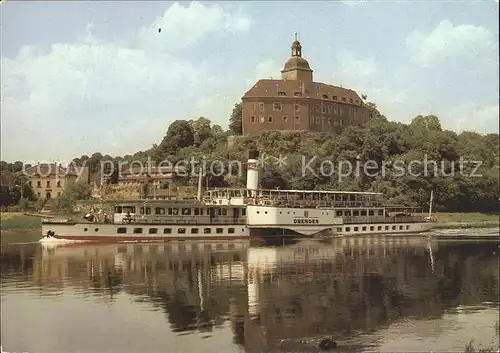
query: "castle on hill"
297, 103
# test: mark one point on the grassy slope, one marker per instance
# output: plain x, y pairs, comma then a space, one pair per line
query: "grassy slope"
19, 221
466, 217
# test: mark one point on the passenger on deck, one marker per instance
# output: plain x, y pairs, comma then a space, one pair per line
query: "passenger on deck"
128, 217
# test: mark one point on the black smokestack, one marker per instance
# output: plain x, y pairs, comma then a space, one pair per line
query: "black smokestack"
253, 154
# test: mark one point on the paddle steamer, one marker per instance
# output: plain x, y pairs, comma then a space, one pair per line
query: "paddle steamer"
225, 214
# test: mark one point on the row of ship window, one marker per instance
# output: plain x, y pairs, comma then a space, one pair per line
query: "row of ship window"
139, 230
172, 211
372, 228
356, 213
343, 213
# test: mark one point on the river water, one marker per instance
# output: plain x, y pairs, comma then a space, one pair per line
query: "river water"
367, 294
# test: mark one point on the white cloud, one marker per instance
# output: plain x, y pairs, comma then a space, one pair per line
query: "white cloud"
365, 77
358, 70
352, 3
265, 69
472, 116
184, 26
96, 95
448, 42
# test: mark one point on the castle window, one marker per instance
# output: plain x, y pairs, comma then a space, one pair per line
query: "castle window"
357, 101
329, 121
350, 100
318, 120
344, 99
297, 94
325, 96
335, 122
312, 119
252, 118
262, 118
323, 108
334, 98
285, 119
48, 183
38, 184
277, 107
335, 111
281, 94
297, 107
297, 119
270, 119
318, 108
329, 109
261, 107
58, 183
254, 107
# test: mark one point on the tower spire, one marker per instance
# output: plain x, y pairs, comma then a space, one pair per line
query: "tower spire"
296, 47
295, 35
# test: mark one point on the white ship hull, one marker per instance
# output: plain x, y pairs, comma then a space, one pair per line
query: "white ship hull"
153, 232
266, 220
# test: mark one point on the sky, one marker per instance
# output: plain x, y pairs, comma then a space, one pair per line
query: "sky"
85, 77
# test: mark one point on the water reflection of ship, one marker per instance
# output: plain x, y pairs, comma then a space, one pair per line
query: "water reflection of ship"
197, 284
307, 257
269, 294
312, 289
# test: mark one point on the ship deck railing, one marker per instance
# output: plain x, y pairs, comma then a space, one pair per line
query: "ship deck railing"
276, 202
382, 219
294, 195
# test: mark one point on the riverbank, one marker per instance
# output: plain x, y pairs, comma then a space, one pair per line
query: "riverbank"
19, 222
466, 220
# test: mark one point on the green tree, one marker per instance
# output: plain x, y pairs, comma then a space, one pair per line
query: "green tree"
235, 120
179, 135
202, 130
79, 190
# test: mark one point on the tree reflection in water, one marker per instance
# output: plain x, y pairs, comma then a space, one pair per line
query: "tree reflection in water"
304, 289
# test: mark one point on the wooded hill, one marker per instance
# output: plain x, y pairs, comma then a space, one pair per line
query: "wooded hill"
458, 185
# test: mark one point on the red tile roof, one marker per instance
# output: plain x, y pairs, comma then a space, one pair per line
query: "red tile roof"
292, 88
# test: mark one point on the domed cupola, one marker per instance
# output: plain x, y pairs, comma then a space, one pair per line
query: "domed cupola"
297, 68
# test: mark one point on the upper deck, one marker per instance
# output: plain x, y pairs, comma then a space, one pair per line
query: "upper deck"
293, 198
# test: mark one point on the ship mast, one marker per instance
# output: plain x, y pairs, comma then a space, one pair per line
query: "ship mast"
200, 183
430, 205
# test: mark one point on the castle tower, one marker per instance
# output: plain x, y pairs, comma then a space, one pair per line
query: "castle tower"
297, 68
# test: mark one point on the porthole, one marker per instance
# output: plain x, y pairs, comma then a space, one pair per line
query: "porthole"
85, 229
95, 230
